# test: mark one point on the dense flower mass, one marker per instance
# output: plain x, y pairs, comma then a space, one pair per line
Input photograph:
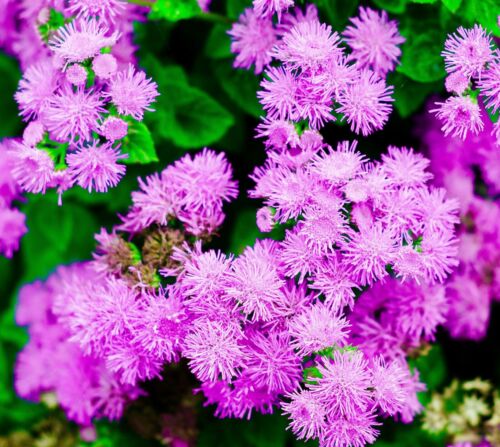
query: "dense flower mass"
80, 93
475, 284
317, 76
474, 78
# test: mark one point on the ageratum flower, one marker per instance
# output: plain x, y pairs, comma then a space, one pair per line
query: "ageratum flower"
374, 41
131, 92
95, 167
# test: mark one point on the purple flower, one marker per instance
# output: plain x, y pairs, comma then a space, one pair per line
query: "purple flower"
73, 113
12, 229
354, 431
81, 39
76, 75
307, 414
33, 133
213, 349
265, 8
459, 115
366, 103
107, 10
368, 252
265, 219
35, 89
405, 168
255, 284
468, 51
489, 84
33, 168
253, 38
271, 363
309, 46
280, 94
104, 65
131, 92
457, 82
95, 167
374, 41
317, 328
114, 128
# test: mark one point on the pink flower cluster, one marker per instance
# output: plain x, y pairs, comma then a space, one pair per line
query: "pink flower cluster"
316, 78
12, 221
287, 324
470, 171
106, 330
473, 66
79, 93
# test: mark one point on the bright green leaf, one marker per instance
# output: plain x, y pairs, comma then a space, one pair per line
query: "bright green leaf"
338, 12
236, 7
139, 144
10, 123
452, 5
393, 6
174, 10
421, 60
409, 95
218, 44
484, 12
240, 85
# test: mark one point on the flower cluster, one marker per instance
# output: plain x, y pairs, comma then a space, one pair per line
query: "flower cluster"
473, 67
279, 325
79, 93
12, 221
475, 284
316, 78
109, 324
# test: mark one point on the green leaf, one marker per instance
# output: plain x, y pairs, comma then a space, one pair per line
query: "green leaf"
6, 392
483, 11
139, 144
393, 6
432, 368
421, 60
409, 95
240, 85
10, 123
338, 12
452, 5
57, 235
218, 44
174, 10
236, 7
424, 1
187, 116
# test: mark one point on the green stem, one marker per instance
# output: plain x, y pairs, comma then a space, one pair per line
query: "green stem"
214, 17
148, 3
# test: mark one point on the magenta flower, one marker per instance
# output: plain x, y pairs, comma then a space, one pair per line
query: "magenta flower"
253, 38
35, 89
104, 65
374, 41
317, 328
279, 94
468, 51
81, 39
322, 229
265, 8
255, 284
33, 133
76, 75
366, 103
459, 115
95, 167
12, 229
265, 219
213, 350
33, 168
307, 414
354, 431
73, 113
107, 10
368, 252
114, 128
489, 84
131, 92
405, 168
309, 46
338, 166
271, 362
456, 82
